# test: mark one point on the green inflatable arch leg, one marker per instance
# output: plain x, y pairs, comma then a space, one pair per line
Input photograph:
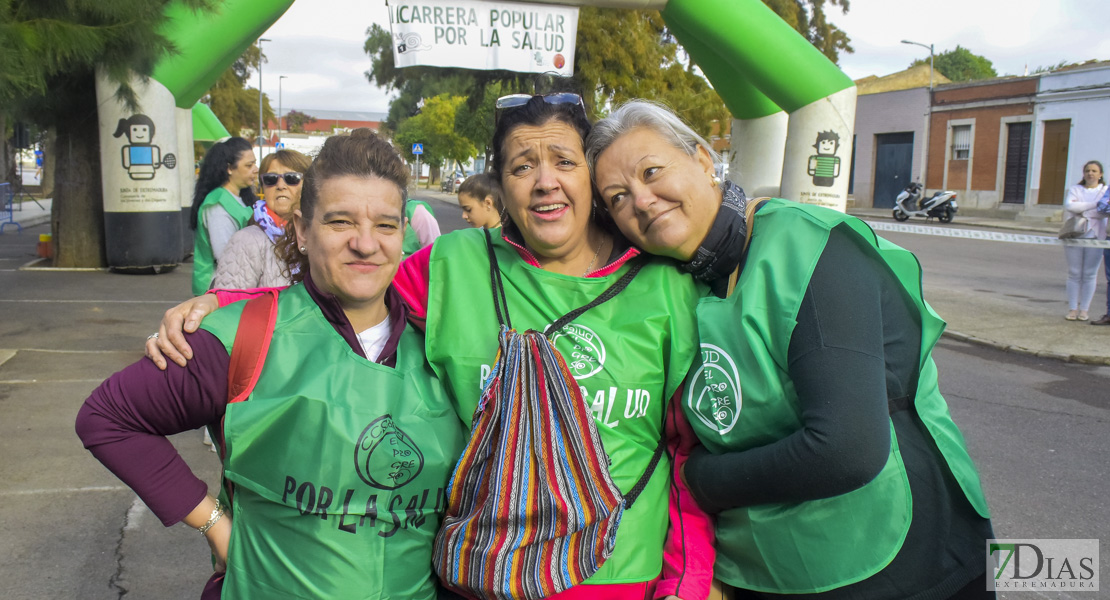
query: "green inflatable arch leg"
750, 41
147, 155
759, 128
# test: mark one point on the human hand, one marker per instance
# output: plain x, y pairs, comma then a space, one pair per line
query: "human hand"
170, 342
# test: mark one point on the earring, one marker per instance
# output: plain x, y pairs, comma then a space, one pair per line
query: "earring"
303, 249
716, 180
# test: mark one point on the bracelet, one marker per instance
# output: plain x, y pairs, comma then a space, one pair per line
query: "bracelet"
217, 513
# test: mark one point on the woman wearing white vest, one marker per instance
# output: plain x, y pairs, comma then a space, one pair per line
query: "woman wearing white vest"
829, 455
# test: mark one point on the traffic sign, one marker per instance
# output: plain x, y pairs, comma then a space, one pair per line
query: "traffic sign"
279, 146
418, 148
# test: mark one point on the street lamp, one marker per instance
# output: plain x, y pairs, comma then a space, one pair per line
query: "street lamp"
261, 145
929, 115
930, 48
280, 126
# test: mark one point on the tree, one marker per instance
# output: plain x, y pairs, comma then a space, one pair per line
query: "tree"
960, 65
296, 120
50, 52
808, 18
235, 104
435, 128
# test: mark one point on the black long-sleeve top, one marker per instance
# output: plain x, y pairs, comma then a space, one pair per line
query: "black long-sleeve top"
853, 359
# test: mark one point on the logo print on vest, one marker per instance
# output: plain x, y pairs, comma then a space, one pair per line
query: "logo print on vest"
587, 353
714, 391
385, 457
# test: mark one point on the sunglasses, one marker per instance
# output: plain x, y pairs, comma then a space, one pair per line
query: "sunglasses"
518, 100
291, 178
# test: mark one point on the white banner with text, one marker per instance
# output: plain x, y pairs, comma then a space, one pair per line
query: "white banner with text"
474, 34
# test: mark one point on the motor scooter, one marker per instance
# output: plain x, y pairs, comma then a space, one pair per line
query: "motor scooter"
909, 203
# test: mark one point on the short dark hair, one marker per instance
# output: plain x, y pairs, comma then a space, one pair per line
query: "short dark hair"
360, 154
482, 185
536, 112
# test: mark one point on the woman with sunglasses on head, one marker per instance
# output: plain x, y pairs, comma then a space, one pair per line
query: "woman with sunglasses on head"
222, 201
629, 354
250, 259
829, 457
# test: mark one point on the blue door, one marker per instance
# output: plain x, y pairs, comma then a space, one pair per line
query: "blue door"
893, 164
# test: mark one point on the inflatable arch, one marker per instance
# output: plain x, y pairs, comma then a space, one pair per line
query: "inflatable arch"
794, 113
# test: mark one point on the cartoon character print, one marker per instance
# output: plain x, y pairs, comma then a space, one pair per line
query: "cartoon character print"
825, 165
140, 157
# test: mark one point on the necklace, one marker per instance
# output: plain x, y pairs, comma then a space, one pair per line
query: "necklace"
594, 259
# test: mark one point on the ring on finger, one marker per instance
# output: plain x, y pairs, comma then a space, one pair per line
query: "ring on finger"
152, 336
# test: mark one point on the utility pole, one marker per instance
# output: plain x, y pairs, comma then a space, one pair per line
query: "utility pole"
928, 118
261, 139
280, 125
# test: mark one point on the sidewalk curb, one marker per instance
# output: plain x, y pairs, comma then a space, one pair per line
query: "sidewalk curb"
1081, 359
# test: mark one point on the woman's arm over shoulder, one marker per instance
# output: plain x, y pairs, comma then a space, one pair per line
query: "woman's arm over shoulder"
688, 552
412, 282
124, 423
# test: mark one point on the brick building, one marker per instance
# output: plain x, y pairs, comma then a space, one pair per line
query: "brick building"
331, 121
979, 141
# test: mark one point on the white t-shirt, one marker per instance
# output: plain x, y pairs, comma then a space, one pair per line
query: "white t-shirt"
373, 340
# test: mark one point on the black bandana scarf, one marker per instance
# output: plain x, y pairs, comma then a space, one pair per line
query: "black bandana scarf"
723, 247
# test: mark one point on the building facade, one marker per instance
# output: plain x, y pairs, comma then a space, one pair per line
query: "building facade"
890, 144
1071, 125
979, 142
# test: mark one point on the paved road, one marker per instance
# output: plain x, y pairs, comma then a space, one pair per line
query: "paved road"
69, 529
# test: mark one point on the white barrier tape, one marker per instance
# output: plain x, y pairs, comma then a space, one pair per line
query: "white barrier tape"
990, 236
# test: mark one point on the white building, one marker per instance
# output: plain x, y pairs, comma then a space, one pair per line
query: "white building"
1071, 125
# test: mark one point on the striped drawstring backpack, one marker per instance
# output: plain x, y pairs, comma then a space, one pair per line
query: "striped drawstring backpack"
531, 508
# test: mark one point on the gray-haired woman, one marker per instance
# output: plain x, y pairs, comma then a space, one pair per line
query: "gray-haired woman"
835, 469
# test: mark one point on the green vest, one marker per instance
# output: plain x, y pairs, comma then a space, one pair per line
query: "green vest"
411, 244
629, 355
817, 545
340, 465
204, 261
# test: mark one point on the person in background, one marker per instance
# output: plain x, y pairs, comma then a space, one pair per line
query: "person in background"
345, 378
421, 227
480, 199
222, 201
250, 259
1083, 262
843, 476
1104, 209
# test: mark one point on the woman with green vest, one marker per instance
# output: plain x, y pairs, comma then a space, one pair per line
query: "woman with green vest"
337, 458
829, 455
421, 227
222, 204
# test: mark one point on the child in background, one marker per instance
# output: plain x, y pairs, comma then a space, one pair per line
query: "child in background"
480, 199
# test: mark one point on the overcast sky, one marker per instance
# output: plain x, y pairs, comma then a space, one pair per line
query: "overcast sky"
317, 44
